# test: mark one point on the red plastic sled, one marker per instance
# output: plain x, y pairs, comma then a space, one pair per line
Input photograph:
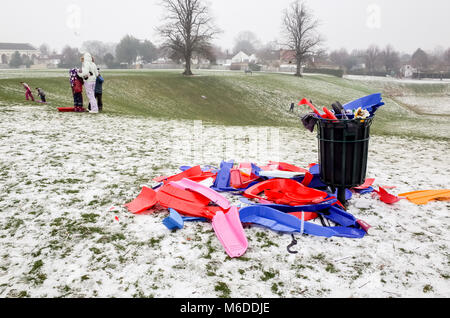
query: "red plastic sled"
286, 191
368, 183
66, 109
386, 197
308, 216
186, 202
195, 174
145, 201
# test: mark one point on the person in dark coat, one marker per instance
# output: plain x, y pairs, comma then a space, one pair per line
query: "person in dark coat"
99, 91
292, 108
41, 94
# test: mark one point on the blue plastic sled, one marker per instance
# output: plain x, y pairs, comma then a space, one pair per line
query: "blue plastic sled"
174, 220
370, 103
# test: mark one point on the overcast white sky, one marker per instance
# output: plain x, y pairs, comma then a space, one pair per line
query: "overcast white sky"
406, 24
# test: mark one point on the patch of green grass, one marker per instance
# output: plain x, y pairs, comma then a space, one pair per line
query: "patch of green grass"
90, 218
35, 275
223, 289
427, 288
233, 98
268, 275
331, 269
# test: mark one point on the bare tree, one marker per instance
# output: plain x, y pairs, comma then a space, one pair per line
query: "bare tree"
301, 33
447, 58
420, 60
339, 57
189, 29
247, 42
372, 57
390, 59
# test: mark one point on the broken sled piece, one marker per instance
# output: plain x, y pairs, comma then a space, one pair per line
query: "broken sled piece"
229, 231
386, 197
370, 103
174, 220
145, 201
186, 202
423, 197
285, 191
66, 109
209, 193
366, 185
194, 172
281, 222
222, 182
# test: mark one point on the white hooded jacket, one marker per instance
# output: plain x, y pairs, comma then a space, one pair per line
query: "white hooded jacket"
87, 68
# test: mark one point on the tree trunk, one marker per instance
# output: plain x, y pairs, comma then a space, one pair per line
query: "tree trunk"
298, 73
187, 70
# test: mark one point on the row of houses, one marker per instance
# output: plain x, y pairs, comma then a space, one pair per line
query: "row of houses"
280, 60
27, 50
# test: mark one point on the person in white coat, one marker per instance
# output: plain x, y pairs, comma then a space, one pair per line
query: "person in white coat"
89, 73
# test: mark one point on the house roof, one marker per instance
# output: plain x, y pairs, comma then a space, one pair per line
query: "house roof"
241, 55
17, 46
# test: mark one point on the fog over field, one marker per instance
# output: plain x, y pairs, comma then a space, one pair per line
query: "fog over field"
345, 23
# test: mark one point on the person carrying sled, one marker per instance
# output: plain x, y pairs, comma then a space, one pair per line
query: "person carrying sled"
28, 93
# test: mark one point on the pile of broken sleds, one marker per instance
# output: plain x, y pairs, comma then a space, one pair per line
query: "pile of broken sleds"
280, 196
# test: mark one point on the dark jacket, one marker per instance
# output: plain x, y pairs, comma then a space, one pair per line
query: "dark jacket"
99, 85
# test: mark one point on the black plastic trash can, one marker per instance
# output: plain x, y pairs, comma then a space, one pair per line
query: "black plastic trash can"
343, 153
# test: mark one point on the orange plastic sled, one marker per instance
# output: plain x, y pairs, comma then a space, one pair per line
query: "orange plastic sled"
423, 197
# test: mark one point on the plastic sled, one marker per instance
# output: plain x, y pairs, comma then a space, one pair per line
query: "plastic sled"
66, 109
186, 202
280, 174
365, 191
194, 219
369, 103
366, 185
386, 197
223, 176
229, 231
184, 195
174, 220
283, 166
329, 114
348, 194
236, 178
285, 191
423, 197
307, 216
340, 217
314, 109
145, 201
281, 222
192, 172
209, 193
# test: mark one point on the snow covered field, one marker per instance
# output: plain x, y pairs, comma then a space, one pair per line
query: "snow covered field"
65, 177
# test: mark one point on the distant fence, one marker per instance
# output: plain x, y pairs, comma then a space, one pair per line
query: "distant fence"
431, 75
327, 71
367, 73
163, 66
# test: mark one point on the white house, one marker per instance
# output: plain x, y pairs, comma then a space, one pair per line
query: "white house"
8, 49
253, 58
241, 57
408, 71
